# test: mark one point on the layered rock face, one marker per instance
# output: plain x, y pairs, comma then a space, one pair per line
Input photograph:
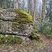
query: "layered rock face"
12, 22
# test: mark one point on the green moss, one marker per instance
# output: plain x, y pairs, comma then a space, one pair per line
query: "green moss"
23, 16
10, 39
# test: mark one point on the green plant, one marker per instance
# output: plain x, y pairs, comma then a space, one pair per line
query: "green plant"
46, 28
24, 17
21, 20
10, 39
18, 40
2, 39
14, 40
34, 36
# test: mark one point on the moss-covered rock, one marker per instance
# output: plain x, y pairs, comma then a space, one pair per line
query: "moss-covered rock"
10, 39
23, 16
22, 21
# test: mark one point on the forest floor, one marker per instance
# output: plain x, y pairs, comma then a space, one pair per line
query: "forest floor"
44, 45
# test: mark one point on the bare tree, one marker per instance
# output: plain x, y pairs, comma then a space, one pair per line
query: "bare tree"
43, 9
